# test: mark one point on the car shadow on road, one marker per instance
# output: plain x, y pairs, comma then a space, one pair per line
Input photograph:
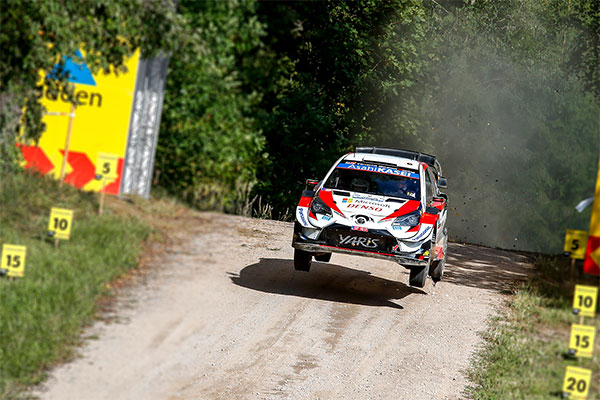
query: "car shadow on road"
483, 267
325, 281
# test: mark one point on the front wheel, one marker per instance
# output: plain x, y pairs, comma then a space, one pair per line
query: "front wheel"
417, 276
437, 269
302, 260
323, 257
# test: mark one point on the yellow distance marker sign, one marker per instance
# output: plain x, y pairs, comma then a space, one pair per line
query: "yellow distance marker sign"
581, 343
584, 300
577, 382
59, 225
13, 259
575, 242
106, 166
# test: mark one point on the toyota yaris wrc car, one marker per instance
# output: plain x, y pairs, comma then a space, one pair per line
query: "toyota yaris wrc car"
376, 202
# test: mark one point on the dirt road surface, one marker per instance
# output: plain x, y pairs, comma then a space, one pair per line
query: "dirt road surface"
223, 315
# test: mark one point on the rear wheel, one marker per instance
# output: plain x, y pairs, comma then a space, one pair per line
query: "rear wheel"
418, 276
302, 260
323, 257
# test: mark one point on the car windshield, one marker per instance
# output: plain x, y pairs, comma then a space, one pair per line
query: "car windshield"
373, 179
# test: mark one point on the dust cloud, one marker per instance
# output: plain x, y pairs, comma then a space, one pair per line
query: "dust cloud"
519, 142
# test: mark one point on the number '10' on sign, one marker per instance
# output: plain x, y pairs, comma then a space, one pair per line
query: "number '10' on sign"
59, 225
584, 300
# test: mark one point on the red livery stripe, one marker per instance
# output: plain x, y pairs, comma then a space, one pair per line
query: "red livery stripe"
327, 197
407, 207
429, 219
304, 201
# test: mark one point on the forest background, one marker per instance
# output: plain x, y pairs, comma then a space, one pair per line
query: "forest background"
262, 95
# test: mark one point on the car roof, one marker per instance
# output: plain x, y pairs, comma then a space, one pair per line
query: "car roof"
383, 160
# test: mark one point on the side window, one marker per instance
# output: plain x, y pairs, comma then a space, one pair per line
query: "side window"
428, 188
436, 190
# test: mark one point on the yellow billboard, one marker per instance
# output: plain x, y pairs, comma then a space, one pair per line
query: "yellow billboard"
100, 124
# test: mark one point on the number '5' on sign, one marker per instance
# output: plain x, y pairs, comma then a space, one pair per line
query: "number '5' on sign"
13, 259
60, 223
575, 242
581, 343
106, 166
577, 382
584, 301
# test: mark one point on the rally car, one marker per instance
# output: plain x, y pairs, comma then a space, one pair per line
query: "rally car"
376, 202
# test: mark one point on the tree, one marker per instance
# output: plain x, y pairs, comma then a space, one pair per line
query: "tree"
36, 36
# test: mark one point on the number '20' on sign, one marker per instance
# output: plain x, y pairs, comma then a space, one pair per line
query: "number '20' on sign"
59, 225
577, 382
13, 259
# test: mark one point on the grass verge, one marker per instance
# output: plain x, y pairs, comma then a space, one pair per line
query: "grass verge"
525, 354
42, 315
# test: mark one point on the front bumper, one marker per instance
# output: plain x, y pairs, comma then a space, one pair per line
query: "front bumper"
327, 243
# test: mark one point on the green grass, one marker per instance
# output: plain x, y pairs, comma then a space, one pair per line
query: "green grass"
526, 347
42, 314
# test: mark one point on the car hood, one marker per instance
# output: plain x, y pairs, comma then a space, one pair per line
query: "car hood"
376, 209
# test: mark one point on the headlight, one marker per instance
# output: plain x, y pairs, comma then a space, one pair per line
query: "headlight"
319, 206
411, 219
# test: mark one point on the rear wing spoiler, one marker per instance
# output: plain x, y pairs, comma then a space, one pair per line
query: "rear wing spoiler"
411, 155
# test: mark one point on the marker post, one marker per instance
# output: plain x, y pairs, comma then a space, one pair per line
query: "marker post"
106, 168
67, 142
102, 196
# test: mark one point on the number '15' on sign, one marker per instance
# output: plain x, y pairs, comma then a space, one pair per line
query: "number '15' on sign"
13, 259
59, 225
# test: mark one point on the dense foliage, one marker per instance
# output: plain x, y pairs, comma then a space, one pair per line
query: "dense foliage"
261, 95
35, 35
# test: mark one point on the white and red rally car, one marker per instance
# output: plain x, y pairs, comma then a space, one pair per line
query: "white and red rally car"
376, 202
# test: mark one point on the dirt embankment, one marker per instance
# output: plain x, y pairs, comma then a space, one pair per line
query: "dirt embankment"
223, 315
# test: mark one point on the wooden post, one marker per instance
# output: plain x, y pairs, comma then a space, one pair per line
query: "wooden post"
102, 197
56, 243
67, 144
572, 273
581, 322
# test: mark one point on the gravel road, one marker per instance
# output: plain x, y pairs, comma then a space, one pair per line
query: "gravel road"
223, 315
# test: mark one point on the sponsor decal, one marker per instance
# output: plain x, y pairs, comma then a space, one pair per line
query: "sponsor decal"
396, 227
424, 233
346, 200
359, 241
360, 228
325, 218
365, 207
302, 217
379, 169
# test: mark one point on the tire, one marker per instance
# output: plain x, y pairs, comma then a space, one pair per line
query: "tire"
418, 276
437, 269
302, 260
323, 257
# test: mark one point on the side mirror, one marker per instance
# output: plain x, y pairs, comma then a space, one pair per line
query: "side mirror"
443, 183
311, 184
